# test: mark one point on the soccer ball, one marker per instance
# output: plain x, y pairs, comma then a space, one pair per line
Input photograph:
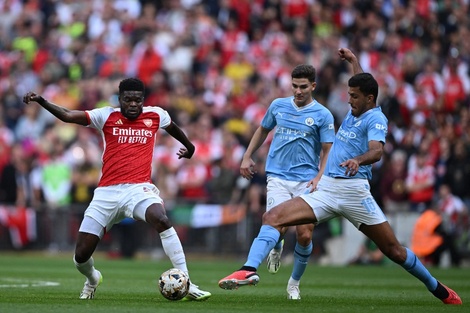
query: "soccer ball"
174, 284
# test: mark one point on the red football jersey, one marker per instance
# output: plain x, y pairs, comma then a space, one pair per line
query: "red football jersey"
128, 144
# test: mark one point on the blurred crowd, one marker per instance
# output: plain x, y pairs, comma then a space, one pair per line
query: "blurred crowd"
216, 65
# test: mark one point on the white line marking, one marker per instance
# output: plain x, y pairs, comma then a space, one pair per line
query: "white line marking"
24, 283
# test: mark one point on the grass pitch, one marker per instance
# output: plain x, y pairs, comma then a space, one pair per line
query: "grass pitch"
33, 282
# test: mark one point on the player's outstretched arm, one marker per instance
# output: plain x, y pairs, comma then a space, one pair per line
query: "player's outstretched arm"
63, 114
247, 166
346, 54
176, 132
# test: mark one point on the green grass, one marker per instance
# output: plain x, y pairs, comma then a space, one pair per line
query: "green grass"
131, 286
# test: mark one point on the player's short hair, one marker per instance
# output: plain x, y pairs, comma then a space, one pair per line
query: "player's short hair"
131, 84
304, 71
366, 83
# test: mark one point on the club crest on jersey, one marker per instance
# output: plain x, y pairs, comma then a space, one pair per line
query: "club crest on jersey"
309, 121
148, 122
270, 202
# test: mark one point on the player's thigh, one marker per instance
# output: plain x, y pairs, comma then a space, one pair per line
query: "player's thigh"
277, 191
289, 213
139, 198
104, 209
322, 203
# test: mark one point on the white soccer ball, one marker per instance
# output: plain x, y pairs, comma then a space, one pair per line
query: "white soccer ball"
174, 284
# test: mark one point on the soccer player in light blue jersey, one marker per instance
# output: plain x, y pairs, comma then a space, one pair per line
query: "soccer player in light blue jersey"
303, 135
344, 191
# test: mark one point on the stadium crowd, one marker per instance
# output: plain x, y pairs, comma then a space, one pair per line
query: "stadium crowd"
216, 65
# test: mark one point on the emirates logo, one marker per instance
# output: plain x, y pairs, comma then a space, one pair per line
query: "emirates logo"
148, 122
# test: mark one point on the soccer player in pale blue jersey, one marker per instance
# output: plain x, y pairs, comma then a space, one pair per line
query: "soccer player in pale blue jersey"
303, 135
344, 191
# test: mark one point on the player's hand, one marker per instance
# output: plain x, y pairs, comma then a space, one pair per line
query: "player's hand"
185, 153
31, 97
247, 168
346, 54
313, 183
352, 167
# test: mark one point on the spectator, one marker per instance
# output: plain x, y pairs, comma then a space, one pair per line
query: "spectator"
454, 213
30, 126
420, 184
145, 59
429, 238
393, 184
458, 171
56, 187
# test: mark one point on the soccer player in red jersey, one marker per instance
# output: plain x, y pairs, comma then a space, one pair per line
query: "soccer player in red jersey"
125, 188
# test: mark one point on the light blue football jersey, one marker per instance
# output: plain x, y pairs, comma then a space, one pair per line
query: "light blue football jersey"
352, 139
294, 153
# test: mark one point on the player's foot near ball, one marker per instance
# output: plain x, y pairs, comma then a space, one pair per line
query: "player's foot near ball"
196, 294
239, 278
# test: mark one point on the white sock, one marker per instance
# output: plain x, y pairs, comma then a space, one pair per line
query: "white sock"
293, 282
88, 270
173, 249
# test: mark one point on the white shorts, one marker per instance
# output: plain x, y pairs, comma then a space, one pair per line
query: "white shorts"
111, 204
279, 190
350, 198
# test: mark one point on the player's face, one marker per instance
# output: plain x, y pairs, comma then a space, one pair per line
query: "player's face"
131, 103
302, 90
359, 102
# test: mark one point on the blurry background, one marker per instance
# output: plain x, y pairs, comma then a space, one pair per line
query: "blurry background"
215, 66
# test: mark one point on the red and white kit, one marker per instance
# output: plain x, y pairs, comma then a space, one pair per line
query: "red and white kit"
128, 144
125, 188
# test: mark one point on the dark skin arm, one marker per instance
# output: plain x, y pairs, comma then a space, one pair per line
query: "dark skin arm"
176, 132
80, 117
63, 114
371, 156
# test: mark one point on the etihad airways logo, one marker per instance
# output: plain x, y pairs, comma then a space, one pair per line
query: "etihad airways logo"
132, 132
345, 134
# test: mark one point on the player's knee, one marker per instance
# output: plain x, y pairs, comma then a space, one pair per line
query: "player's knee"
157, 218
162, 223
304, 238
270, 218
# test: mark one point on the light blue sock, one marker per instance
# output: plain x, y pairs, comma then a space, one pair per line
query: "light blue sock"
301, 256
414, 266
267, 238
278, 245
